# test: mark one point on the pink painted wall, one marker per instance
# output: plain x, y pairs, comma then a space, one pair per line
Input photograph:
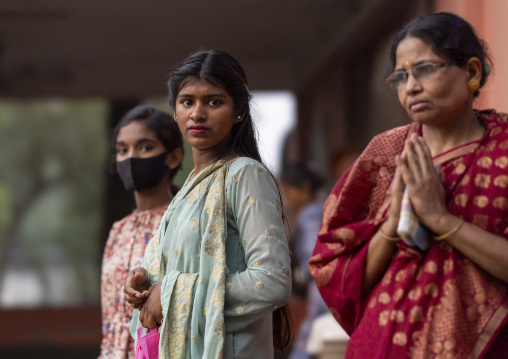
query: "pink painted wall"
490, 19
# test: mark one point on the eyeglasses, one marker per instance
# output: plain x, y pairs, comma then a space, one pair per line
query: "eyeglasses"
420, 71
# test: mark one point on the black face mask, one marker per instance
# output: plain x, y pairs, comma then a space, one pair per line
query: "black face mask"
142, 173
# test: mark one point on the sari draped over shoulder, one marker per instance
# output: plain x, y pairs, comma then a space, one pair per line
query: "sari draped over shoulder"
212, 256
433, 304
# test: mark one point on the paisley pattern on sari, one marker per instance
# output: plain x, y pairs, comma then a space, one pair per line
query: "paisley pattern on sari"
434, 304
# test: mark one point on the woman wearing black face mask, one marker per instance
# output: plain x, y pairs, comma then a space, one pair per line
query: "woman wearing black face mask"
148, 151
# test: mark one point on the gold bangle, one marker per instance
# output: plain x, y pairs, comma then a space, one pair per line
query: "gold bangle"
448, 234
388, 238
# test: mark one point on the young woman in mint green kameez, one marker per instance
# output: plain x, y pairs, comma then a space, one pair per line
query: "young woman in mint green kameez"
218, 267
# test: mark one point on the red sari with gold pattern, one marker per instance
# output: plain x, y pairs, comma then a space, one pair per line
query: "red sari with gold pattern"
434, 304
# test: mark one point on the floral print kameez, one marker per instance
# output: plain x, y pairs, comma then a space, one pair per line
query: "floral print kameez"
123, 252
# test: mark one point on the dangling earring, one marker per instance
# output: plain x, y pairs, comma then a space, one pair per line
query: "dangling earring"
473, 86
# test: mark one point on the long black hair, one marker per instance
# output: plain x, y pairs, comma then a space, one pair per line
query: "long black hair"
451, 37
161, 123
222, 70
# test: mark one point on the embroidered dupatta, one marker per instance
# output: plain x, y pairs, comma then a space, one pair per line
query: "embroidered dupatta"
188, 256
427, 304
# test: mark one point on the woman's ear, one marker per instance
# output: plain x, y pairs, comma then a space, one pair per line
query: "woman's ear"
173, 159
240, 115
238, 118
474, 69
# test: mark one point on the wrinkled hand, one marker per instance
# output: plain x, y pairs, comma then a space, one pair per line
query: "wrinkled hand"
422, 180
136, 287
151, 312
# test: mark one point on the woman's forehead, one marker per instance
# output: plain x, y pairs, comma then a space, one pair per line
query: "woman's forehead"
134, 130
412, 49
200, 84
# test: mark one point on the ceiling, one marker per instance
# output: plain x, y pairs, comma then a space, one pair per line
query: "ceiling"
126, 49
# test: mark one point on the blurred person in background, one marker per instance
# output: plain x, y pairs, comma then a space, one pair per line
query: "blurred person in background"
442, 291
300, 186
342, 157
323, 323
147, 152
224, 276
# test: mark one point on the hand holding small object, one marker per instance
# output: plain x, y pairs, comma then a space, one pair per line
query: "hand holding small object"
423, 181
136, 287
151, 311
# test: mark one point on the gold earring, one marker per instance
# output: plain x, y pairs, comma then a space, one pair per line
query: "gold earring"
473, 86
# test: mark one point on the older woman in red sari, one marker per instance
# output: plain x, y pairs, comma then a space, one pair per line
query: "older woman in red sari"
447, 298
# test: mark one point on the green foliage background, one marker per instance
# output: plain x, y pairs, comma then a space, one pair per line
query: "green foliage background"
52, 167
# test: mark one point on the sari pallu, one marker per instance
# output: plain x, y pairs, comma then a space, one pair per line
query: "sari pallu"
427, 304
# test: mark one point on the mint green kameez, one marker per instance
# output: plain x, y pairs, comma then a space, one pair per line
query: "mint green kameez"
223, 260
